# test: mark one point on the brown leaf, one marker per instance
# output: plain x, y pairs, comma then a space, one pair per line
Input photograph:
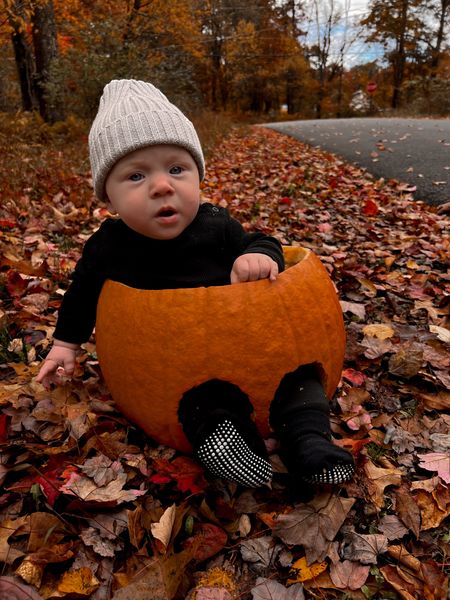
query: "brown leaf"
86, 489
408, 586
158, 579
12, 589
364, 548
261, 552
439, 401
433, 507
101, 469
392, 527
268, 589
8, 554
379, 479
349, 575
408, 511
407, 361
314, 525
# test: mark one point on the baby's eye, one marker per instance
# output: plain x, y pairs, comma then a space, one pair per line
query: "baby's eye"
176, 170
136, 177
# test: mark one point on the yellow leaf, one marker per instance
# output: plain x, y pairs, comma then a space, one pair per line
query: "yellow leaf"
302, 572
82, 581
379, 330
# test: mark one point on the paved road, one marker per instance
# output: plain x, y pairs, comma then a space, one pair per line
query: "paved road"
415, 151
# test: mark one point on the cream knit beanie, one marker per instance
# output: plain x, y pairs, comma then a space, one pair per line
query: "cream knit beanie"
133, 114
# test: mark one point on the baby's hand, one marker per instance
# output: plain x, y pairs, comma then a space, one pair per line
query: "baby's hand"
253, 266
60, 363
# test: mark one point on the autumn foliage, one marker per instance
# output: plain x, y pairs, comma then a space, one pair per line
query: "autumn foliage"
92, 508
263, 57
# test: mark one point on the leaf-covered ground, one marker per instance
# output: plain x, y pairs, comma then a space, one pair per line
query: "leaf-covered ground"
92, 508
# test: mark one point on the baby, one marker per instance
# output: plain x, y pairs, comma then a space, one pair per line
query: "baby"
147, 163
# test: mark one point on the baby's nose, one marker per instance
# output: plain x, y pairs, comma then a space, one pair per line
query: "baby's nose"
161, 185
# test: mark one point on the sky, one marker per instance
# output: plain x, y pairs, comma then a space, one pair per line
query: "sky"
359, 52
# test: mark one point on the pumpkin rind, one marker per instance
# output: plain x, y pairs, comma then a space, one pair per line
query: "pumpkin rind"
154, 345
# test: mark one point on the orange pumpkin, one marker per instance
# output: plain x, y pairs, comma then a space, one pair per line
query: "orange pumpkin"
155, 345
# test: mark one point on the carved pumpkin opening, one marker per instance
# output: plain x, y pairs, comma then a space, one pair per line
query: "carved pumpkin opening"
215, 394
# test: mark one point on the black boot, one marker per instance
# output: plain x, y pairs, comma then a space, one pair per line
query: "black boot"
299, 416
216, 419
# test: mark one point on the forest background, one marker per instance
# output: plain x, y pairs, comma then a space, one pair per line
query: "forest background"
263, 59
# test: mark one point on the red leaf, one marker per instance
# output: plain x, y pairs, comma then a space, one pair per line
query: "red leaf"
185, 472
285, 200
3, 428
16, 284
7, 224
370, 208
355, 377
158, 478
208, 540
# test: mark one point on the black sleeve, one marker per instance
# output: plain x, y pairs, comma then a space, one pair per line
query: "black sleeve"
249, 243
76, 318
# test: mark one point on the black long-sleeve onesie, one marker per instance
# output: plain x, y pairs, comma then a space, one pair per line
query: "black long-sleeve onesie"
203, 255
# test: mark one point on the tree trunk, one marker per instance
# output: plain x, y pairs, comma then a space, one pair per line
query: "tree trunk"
45, 51
399, 58
436, 54
23, 57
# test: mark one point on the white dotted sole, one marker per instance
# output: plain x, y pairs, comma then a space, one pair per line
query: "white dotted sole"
226, 454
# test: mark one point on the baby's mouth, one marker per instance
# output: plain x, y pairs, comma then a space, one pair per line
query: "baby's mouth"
166, 212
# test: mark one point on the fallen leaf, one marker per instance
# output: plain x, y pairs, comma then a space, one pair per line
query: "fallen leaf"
261, 552
408, 510
209, 593
378, 479
434, 506
381, 331
314, 525
162, 530
362, 548
157, 578
300, 571
407, 361
407, 585
86, 489
208, 540
349, 575
442, 333
354, 307
392, 527
438, 401
355, 377
80, 581
268, 589
12, 589
436, 461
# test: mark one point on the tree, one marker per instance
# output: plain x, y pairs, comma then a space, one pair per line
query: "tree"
23, 54
45, 52
34, 57
399, 26
441, 14
326, 17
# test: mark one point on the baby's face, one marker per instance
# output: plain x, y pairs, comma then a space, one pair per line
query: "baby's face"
155, 190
